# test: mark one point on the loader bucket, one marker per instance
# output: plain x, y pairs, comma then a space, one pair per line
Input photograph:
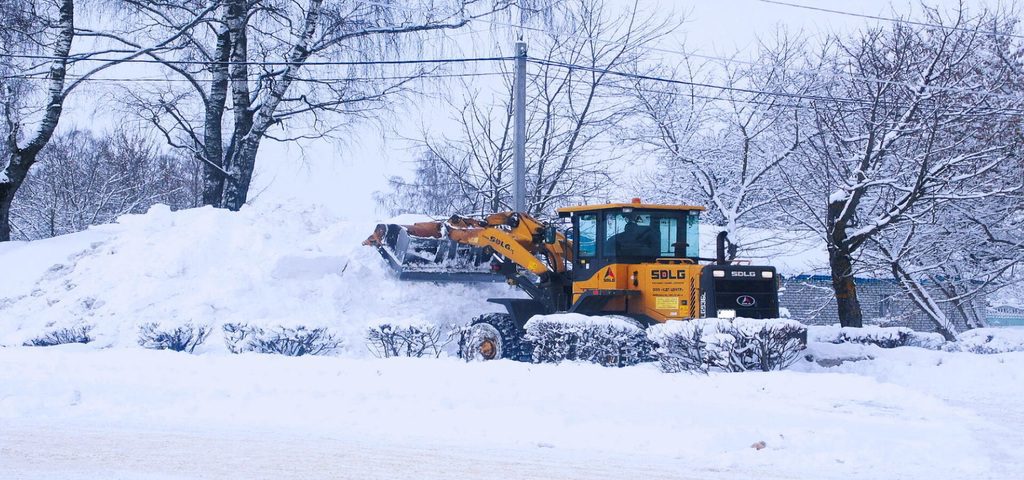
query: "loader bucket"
422, 252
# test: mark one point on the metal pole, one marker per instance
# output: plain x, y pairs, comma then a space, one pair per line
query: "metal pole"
519, 135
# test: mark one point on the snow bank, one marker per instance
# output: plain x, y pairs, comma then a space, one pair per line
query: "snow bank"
885, 337
265, 266
815, 425
989, 340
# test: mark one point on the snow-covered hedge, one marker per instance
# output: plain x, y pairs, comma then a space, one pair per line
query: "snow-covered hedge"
180, 338
989, 341
61, 336
290, 341
406, 339
731, 345
884, 337
929, 340
608, 341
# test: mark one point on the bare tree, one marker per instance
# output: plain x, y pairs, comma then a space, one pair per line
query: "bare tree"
263, 65
574, 108
948, 266
83, 179
900, 125
37, 45
723, 148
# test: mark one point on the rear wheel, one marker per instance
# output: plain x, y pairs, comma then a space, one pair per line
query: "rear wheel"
491, 337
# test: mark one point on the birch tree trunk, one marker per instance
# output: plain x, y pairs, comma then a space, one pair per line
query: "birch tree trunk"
20, 159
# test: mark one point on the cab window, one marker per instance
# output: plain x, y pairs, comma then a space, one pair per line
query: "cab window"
669, 230
693, 234
588, 235
631, 235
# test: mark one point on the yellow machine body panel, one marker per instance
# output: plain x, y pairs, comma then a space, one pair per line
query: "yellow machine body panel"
668, 289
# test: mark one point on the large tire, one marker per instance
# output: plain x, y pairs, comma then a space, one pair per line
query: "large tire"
492, 336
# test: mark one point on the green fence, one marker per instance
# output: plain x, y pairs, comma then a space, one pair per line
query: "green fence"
1005, 317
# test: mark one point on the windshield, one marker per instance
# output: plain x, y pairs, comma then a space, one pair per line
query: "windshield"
654, 233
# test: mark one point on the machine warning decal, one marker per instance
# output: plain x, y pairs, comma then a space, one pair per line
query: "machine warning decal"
609, 276
666, 303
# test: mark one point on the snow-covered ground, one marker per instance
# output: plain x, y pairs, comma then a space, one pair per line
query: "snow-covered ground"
110, 409
73, 411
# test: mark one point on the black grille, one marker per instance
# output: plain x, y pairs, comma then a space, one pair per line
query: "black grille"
751, 296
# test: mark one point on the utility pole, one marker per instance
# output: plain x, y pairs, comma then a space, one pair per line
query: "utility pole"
519, 135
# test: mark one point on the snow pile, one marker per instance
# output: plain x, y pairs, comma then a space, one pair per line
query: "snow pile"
989, 341
929, 340
604, 340
275, 268
884, 337
734, 345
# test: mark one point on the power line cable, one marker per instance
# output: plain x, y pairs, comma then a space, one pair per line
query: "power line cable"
816, 73
83, 58
796, 96
801, 106
308, 80
888, 19
638, 76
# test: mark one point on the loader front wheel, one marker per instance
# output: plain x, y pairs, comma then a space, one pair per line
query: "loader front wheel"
491, 337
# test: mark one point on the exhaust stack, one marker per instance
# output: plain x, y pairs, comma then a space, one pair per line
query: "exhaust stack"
720, 242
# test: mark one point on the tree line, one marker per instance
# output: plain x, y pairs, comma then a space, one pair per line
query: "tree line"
898, 145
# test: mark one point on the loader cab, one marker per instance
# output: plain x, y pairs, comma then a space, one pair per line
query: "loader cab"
632, 233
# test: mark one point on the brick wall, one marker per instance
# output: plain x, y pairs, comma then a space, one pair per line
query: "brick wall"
810, 299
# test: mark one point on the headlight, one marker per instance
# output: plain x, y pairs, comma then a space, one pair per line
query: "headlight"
766, 274
718, 273
727, 313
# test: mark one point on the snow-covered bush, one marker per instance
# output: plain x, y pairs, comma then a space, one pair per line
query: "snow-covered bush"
61, 336
290, 341
691, 346
989, 341
180, 338
766, 344
885, 337
409, 340
608, 341
731, 345
823, 333
929, 340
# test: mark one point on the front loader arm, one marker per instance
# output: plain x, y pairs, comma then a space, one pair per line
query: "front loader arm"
515, 236
507, 245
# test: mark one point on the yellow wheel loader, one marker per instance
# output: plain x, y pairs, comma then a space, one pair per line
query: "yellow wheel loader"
629, 259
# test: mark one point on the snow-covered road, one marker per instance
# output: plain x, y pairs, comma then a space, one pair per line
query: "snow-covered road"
92, 453
76, 412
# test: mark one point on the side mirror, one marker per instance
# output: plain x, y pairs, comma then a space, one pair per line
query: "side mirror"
550, 234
